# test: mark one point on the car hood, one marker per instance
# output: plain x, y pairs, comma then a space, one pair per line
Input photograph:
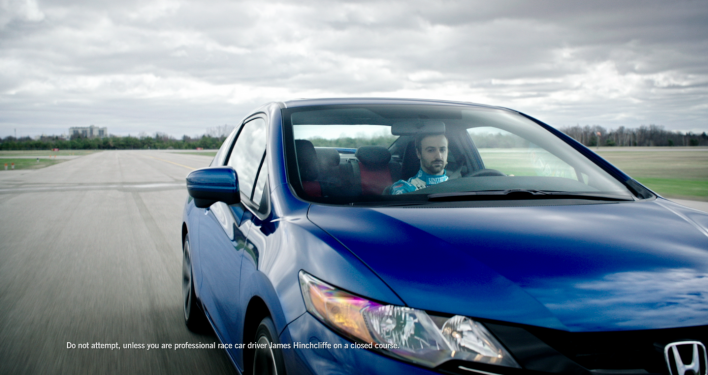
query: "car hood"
588, 267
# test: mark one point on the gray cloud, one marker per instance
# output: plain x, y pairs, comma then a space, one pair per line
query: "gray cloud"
180, 67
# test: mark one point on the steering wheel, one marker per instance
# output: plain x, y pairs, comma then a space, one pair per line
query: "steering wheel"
485, 173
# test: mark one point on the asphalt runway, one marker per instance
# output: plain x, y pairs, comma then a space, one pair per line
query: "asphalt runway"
90, 252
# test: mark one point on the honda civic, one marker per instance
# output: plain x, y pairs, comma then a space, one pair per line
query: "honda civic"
399, 236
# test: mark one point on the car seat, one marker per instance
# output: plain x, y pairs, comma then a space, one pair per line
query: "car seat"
332, 173
376, 170
309, 168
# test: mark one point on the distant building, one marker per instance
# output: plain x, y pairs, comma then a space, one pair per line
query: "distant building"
89, 131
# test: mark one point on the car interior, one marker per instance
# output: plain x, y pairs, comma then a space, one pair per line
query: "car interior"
368, 170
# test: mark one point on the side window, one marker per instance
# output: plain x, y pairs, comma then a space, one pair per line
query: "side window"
260, 184
516, 156
223, 150
247, 155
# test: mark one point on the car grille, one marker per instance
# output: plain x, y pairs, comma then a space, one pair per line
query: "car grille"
620, 350
540, 350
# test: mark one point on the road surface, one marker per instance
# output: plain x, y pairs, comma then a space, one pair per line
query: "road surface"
90, 253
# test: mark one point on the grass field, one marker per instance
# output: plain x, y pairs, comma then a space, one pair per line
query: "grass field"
28, 163
200, 153
22, 160
41, 153
674, 174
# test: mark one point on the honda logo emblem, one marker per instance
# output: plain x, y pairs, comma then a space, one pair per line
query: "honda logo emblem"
686, 358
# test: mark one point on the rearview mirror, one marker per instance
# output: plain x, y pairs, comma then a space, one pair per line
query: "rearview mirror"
216, 184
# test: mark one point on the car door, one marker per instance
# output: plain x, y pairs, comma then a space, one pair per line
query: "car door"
261, 227
223, 233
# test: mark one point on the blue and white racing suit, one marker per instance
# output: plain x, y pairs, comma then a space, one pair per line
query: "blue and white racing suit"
420, 181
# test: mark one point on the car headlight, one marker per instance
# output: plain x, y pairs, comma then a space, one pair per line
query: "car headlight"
403, 332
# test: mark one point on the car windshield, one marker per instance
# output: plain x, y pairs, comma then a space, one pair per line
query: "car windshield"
351, 154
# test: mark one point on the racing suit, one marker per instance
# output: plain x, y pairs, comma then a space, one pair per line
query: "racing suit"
420, 181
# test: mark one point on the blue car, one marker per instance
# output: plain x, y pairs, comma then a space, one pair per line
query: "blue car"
396, 236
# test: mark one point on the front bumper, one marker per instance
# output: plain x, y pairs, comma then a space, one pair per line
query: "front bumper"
537, 350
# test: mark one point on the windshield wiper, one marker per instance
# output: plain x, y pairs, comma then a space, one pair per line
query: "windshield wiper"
512, 194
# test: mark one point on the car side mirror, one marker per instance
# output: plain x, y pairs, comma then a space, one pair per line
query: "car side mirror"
215, 184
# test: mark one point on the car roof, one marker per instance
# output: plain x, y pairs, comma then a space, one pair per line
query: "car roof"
339, 101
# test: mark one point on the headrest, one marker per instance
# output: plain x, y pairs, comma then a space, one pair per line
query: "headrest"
373, 156
306, 159
329, 157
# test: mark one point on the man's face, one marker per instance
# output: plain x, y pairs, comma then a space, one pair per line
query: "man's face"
433, 154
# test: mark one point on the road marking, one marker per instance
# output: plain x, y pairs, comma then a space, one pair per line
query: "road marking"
171, 162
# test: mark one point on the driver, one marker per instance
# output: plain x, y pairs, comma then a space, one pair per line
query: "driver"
432, 152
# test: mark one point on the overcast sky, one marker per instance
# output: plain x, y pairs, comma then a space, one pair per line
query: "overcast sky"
180, 67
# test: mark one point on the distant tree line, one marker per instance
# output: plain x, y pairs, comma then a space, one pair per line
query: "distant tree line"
652, 135
158, 141
351, 142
